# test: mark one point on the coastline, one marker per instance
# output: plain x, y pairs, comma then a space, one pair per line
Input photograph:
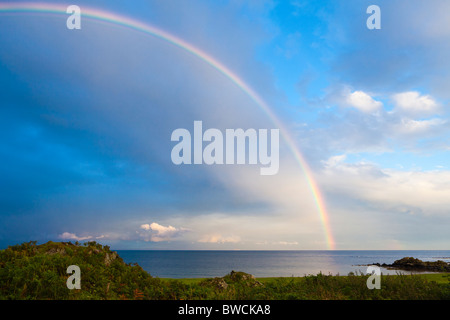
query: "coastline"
265, 263
38, 272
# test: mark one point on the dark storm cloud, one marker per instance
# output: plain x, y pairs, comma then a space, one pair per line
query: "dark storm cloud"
86, 125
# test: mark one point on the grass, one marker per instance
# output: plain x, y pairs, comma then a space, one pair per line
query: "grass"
30, 271
187, 281
441, 278
320, 287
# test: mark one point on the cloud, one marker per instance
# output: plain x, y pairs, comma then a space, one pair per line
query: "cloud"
345, 96
217, 238
334, 161
145, 226
161, 233
276, 243
287, 243
109, 124
105, 130
72, 236
418, 127
363, 102
409, 51
413, 104
396, 191
408, 120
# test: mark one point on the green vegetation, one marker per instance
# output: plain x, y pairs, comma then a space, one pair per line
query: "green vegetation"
31, 271
413, 264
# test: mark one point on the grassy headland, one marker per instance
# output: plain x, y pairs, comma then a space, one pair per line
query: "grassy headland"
31, 271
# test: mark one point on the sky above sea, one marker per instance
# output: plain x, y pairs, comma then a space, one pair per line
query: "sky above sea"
86, 118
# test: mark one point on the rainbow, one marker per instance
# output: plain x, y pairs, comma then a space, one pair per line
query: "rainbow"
109, 17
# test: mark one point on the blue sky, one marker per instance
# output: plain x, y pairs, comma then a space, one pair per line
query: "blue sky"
87, 115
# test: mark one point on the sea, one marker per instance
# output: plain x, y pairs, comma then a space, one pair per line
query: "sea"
208, 264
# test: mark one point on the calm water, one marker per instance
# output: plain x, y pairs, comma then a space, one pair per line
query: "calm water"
199, 264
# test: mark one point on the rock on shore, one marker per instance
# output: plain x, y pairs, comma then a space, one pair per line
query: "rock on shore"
413, 264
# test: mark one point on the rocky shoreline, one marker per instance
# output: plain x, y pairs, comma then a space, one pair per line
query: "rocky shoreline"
413, 264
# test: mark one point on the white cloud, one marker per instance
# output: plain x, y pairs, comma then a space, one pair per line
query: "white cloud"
287, 243
145, 226
73, 236
409, 126
363, 102
334, 161
160, 233
276, 243
414, 104
413, 123
217, 238
424, 192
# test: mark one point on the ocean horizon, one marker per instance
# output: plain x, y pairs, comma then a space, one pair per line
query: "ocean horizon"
269, 263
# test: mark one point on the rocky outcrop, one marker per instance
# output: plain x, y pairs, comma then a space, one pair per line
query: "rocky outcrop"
53, 248
242, 277
110, 257
413, 264
218, 283
234, 277
53, 251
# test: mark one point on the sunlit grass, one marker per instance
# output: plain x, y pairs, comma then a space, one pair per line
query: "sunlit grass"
29, 271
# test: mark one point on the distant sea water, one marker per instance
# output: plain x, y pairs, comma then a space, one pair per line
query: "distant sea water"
207, 264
